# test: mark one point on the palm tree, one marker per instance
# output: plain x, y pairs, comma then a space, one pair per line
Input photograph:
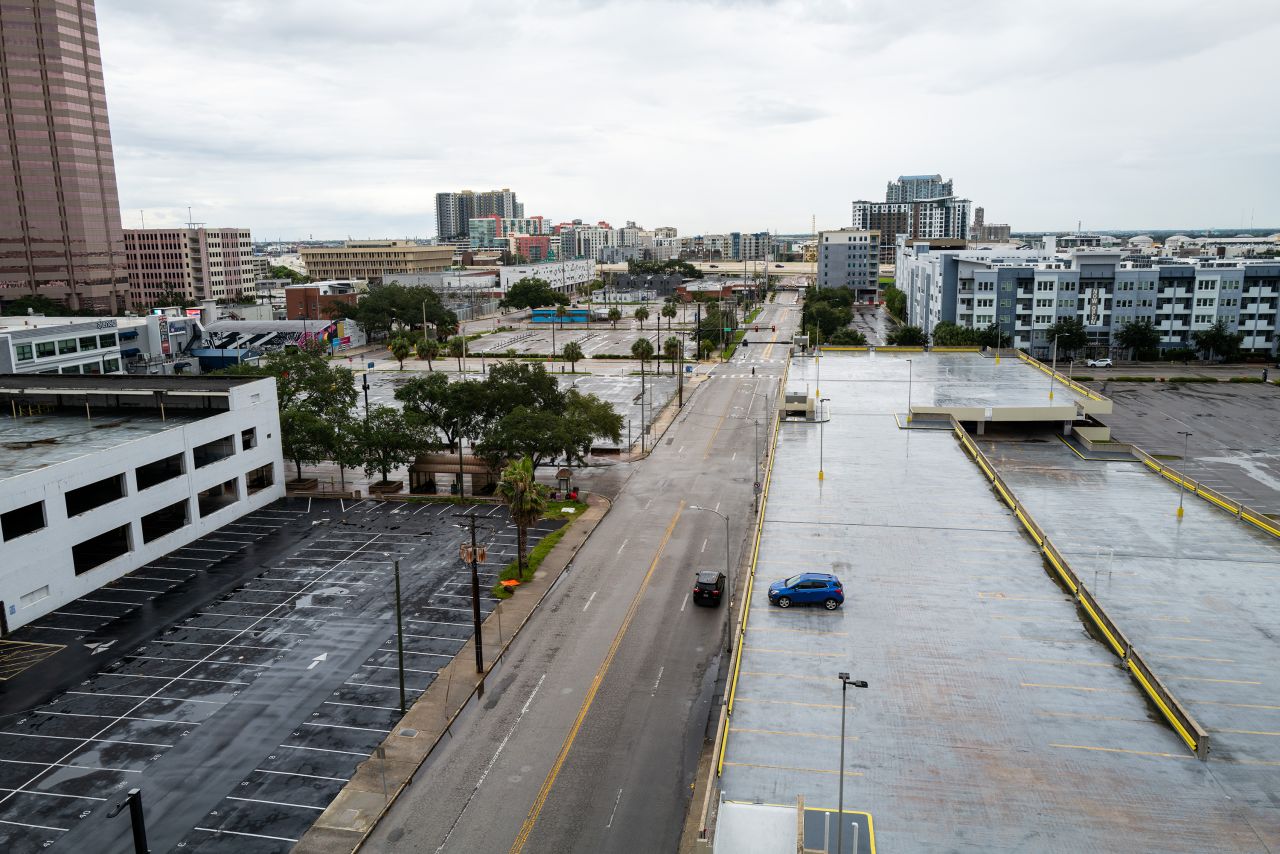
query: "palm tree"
642, 314
642, 350
561, 313
669, 312
615, 314
572, 353
525, 501
400, 350
457, 346
671, 351
428, 348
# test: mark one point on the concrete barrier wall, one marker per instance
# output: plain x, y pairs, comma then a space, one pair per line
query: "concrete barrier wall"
1187, 728
1243, 512
1093, 403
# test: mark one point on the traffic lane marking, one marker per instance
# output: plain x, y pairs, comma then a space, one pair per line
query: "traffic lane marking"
1124, 750
792, 768
793, 733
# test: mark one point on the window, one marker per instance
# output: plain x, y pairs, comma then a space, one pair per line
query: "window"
96, 551
107, 341
22, 520
166, 520
260, 478
45, 349
23, 352
217, 497
89, 342
159, 471
82, 499
71, 369
211, 452
1005, 303
248, 438
67, 345
110, 366
35, 596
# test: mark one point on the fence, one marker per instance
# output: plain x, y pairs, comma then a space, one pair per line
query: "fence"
1241, 511
1060, 377
1187, 728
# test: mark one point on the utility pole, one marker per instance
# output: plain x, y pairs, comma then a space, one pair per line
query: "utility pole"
134, 800
475, 591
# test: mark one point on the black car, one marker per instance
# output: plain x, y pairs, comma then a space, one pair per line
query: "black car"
708, 589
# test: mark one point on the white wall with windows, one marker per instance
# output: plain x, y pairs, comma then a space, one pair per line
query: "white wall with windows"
88, 347
70, 527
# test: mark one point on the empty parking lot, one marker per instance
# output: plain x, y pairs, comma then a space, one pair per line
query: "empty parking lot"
242, 715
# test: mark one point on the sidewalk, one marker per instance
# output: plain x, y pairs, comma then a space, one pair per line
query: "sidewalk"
352, 815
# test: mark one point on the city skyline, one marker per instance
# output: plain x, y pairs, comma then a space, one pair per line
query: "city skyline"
1112, 112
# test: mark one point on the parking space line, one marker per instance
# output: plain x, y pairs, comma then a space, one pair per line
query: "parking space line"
73, 765
53, 794
221, 645
241, 833
362, 706
275, 803
297, 774
796, 652
793, 733
112, 717
36, 826
1233, 705
340, 726
1246, 732
369, 685
79, 738
1061, 661
822, 679
1070, 687
436, 622
793, 768
406, 670
139, 697
741, 699
796, 631
440, 637
1206, 679
1124, 750
361, 754
196, 661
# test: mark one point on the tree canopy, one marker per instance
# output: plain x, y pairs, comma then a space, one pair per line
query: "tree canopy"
387, 305
671, 265
531, 292
1070, 334
1218, 340
1141, 337
908, 336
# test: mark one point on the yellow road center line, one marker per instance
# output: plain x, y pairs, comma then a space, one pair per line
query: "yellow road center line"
545, 791
1122, 750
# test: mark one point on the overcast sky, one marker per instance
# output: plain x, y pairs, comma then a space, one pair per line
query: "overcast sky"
339, 118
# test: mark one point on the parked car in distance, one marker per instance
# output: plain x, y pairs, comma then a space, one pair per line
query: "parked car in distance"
808, 588
1100, 363
708, 588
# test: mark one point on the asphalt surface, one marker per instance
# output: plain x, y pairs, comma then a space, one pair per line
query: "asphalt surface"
1235, 443
993, 721
238, 681
590, 741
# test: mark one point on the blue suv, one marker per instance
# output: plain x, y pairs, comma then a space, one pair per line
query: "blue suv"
808, 588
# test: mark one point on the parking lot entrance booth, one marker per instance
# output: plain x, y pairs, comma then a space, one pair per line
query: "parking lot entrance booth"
432, 473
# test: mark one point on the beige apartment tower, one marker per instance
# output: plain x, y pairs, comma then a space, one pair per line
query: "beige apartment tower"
60, 233
192, 263
376, 261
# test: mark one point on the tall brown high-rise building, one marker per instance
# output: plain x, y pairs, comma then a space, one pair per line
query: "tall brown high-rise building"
60, 233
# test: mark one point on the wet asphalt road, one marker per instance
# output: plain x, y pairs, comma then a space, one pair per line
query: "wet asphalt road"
590, 740
244, 678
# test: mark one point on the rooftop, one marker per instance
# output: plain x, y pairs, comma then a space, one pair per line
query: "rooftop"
33, 442
108, 384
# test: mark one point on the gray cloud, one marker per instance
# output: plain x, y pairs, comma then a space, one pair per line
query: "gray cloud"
336, 117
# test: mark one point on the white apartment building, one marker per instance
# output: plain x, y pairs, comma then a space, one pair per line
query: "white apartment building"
566, 276
114, 472
197, 263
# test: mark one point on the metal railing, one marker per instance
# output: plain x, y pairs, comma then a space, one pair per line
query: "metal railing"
1060, 377
1241, 511
1187, 728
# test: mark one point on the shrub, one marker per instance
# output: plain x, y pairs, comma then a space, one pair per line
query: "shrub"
1191, 380
1131, 379
1245, 380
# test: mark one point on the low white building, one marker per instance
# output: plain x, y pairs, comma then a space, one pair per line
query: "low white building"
564, 276
100, 475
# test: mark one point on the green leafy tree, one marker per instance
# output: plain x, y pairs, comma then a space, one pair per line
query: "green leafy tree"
1218, 340
573, 354
444, 410
615, 314
428, 350
40, 304
994, 336
344, 445
562, 312
514, 384
526, 502
387, 439
948, 334
671, 351
895, 301
642, 314
642, 350
672, 265
587, 419
1140, 337
908, 336
304, 437
278, 271
1071, 336
457, 349
387, 306
847, 338
400, 348
531, 292
524, 431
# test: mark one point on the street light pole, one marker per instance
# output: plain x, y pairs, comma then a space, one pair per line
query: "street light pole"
1182, 487
138, 821
845, 682
475, 592
822, 423
728, 573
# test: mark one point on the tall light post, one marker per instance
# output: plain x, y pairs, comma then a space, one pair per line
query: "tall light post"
909, 373
1182, 487
822, 423
1054, 372
845, 682
728, 573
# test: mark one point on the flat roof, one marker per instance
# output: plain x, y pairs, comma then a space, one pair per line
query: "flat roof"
31, 442
116, 383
